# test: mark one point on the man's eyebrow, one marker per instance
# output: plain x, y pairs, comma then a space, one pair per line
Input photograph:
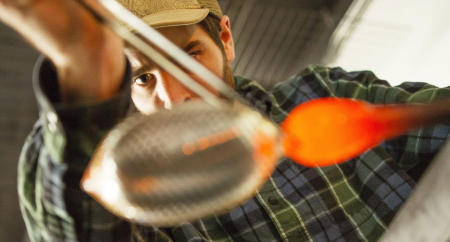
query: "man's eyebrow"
141, 70
145, 63
191, 45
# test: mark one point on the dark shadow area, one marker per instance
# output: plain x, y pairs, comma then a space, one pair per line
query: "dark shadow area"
18, 112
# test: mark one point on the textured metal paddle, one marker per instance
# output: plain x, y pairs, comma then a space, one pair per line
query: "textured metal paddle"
183, 164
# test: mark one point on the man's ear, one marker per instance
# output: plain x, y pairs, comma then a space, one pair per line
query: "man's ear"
227, 38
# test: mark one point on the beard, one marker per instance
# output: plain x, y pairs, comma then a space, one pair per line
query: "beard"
228, 74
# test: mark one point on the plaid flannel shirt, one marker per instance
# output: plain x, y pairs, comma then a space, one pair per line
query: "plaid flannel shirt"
353, 201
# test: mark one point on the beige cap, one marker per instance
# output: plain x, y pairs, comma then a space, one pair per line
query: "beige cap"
169, 13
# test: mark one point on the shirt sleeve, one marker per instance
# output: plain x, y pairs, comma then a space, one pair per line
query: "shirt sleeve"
53, 160
413, 151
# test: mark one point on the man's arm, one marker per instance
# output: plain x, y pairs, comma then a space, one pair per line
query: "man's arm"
413, 151
80, 48
53, 160
81, 94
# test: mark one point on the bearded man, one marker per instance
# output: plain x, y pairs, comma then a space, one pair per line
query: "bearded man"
83, 90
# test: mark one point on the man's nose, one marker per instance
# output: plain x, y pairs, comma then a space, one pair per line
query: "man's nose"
173, 91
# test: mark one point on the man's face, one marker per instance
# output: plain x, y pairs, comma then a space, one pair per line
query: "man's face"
155, 88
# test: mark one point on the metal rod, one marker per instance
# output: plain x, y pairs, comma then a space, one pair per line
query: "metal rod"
155, 38
170, 67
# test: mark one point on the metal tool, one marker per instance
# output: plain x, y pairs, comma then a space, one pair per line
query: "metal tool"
201, 158
149, 39
182, 164
162, 184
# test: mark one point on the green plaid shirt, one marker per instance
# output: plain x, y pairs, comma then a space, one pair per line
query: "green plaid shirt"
354, 201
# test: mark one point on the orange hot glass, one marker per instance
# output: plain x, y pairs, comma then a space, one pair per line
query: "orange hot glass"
328, 131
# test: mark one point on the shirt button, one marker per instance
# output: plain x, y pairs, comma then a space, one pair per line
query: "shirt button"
52, 119
273, 201
52, 127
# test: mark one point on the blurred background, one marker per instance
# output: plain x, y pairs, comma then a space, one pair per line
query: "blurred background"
402, 40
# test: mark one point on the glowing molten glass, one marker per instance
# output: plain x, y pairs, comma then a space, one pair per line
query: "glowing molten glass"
328, 131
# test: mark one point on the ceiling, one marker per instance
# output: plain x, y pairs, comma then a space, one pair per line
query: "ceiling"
402, 40
276, 39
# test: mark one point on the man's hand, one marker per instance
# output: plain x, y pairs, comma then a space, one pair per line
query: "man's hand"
89, 57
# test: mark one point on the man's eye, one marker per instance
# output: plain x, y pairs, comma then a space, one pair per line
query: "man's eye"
195, 53
145, 79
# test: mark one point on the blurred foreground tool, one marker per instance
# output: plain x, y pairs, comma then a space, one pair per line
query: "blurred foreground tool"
204, 158
198, 159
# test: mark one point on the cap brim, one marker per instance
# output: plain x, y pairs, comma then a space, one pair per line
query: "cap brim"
177, 17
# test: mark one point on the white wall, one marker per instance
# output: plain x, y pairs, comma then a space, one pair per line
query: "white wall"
401, 40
